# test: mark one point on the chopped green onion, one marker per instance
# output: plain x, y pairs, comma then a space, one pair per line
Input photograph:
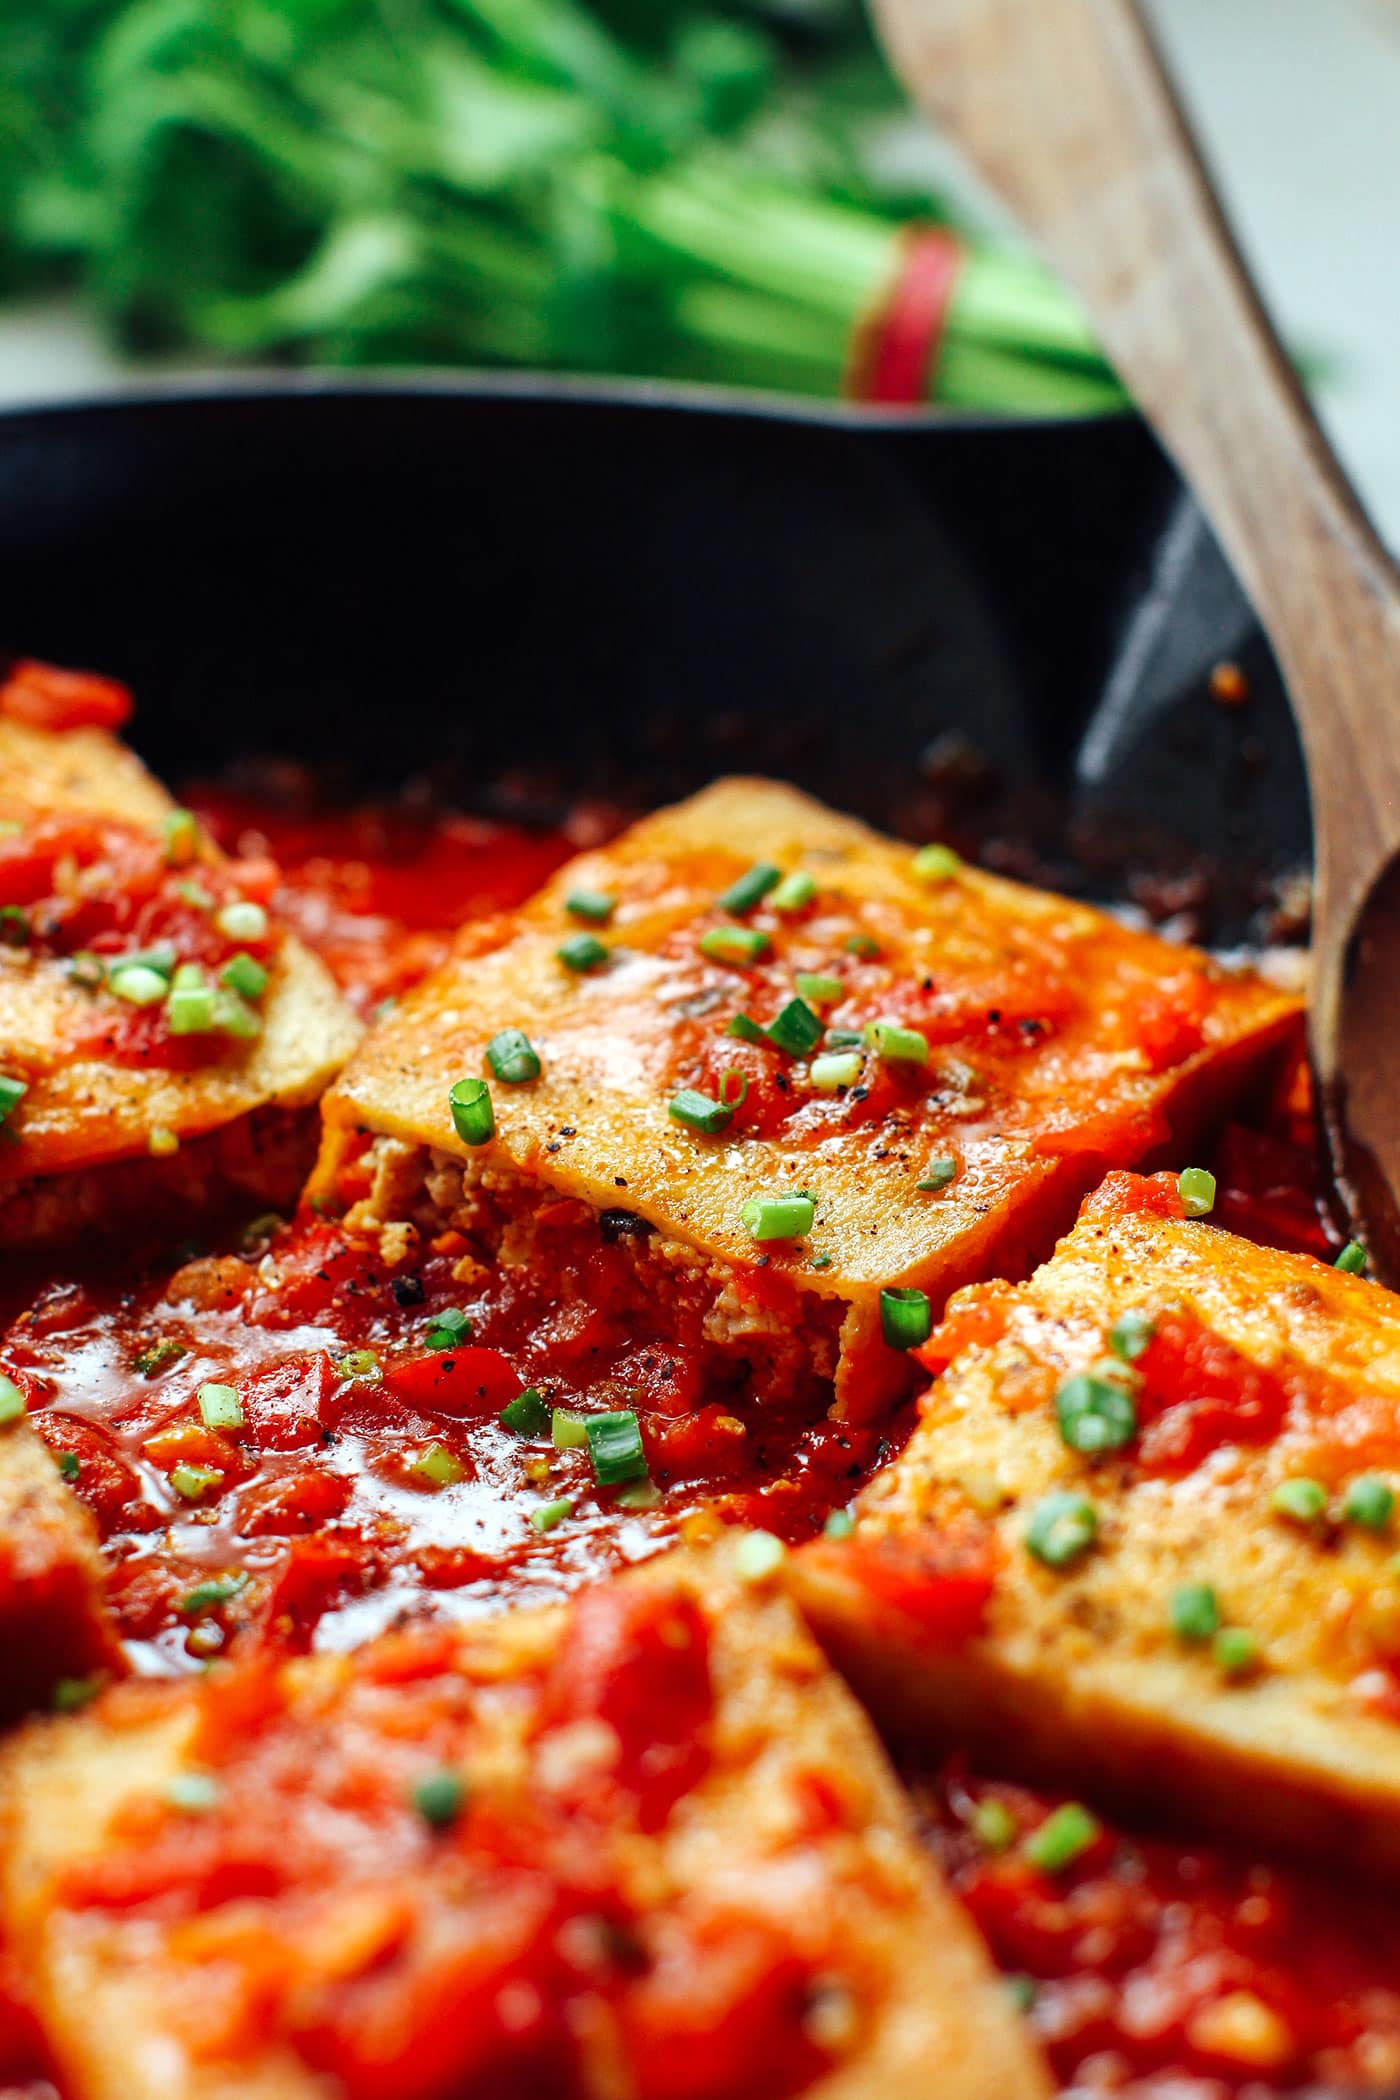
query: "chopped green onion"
265, 1226
901, 1045
448, 1329
994, 1825
181, 831
749, 889
189, 1009
196, 1792
1196, 1186
582, 951
160, 958
243, 973
746, 1029
839, 1524
220, 1406
473, 1117
12, 1092
817, 989
360, 1364
1131, 1333
822, 1261
641, 1494
936, 863
1195, 1612
1065, 1836
137, 984
1300, 1499
187, 976
158, 1357
546, 1515
163, 1142
528, 1414
698, 1112
1062, 1529
438, 1467
71, 1694
69, 1464
778, 1217
193, 1482
796, 1030
1369, 1502
834, 1070
597, 905
1352, 1259
568, 1431
845, 1039
14, 926
12, 1401
862, 944
208, 1596
733, 1087
736, 945
86, 969
906, 1317
758, 1555
1021, 1990
242, 921
513, 1057
1235, 1651
937, 1175
615, 1446
439, 1797
195, 895
1095, 1414
794, 892
234, 1016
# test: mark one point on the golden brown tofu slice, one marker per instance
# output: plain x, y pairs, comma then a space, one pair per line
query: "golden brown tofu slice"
934, 1062
644, 1844
1142, 1538
52, 1625
120, 1086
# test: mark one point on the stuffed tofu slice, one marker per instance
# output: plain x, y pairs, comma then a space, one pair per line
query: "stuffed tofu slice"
821, 1067
646, 1844
1142, 1539
160, 1038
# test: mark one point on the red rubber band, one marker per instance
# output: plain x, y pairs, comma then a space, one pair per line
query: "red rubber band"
895, 354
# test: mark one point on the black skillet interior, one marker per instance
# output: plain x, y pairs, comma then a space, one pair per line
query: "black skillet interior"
565, 590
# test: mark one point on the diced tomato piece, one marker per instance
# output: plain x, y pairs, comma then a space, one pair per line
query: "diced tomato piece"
1169, 1019
292, 1502
974, 1318
191, 1444
318, 1570
938, 1580
1199, 1392
720, 2010
316, 1266
284, 1404
48, 697
109, 1486
1135, 1196
459, 1382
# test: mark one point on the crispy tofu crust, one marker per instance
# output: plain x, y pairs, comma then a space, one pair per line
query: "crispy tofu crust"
1075, 1673
1030, 1128
120, 2001
84, 1112
52, 1623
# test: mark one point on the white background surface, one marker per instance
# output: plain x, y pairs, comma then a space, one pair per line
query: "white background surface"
1298, 102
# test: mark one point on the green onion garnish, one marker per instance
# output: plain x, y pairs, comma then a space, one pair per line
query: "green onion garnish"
639, 1494
862, 944
220, 1407
698, 1112
180, 828
546, 1515
1300, 1499
733, 1087
937, 1174
597, 905
758, 1555
437, 1467
234, 1016
845, 1039
749, 889
69, 1464
71, 1694
14, 926
528, 1414
12, 1092
137, 984
208, 1596
193, 1482
568, 1432
839, 1524
819, 990
245, 974
745, 1029
158, 1356
242, 921
778, 1217
1062, 1529
906, 1317
195, 895
195, 1792
86, 969
615, 1446
1196, 1186
513, 1057
993, 1824
160, 957
1195, 1612
582, 951
1065, 1835
1130, 1334
1095, 1414
473, 1117
1235, 1651
794, 892
835, 1069
900, 1045
189, 1009
1369, 1502
360, 1364
448, 1329
735, 945
12, 1401
936, 863
1352, 1259
439, 1797
796, 1030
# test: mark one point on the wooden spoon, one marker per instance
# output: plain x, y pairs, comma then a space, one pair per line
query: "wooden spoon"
1064, 106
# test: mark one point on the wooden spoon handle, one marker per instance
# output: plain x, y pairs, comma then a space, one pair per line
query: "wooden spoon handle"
1065, 108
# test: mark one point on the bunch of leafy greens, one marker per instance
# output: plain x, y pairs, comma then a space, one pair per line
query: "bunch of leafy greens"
632, 186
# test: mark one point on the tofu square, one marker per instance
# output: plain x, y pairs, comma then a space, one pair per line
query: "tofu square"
933, 1062
645, 1844
1142, 1540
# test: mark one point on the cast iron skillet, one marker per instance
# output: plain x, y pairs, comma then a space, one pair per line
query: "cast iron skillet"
600, 586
